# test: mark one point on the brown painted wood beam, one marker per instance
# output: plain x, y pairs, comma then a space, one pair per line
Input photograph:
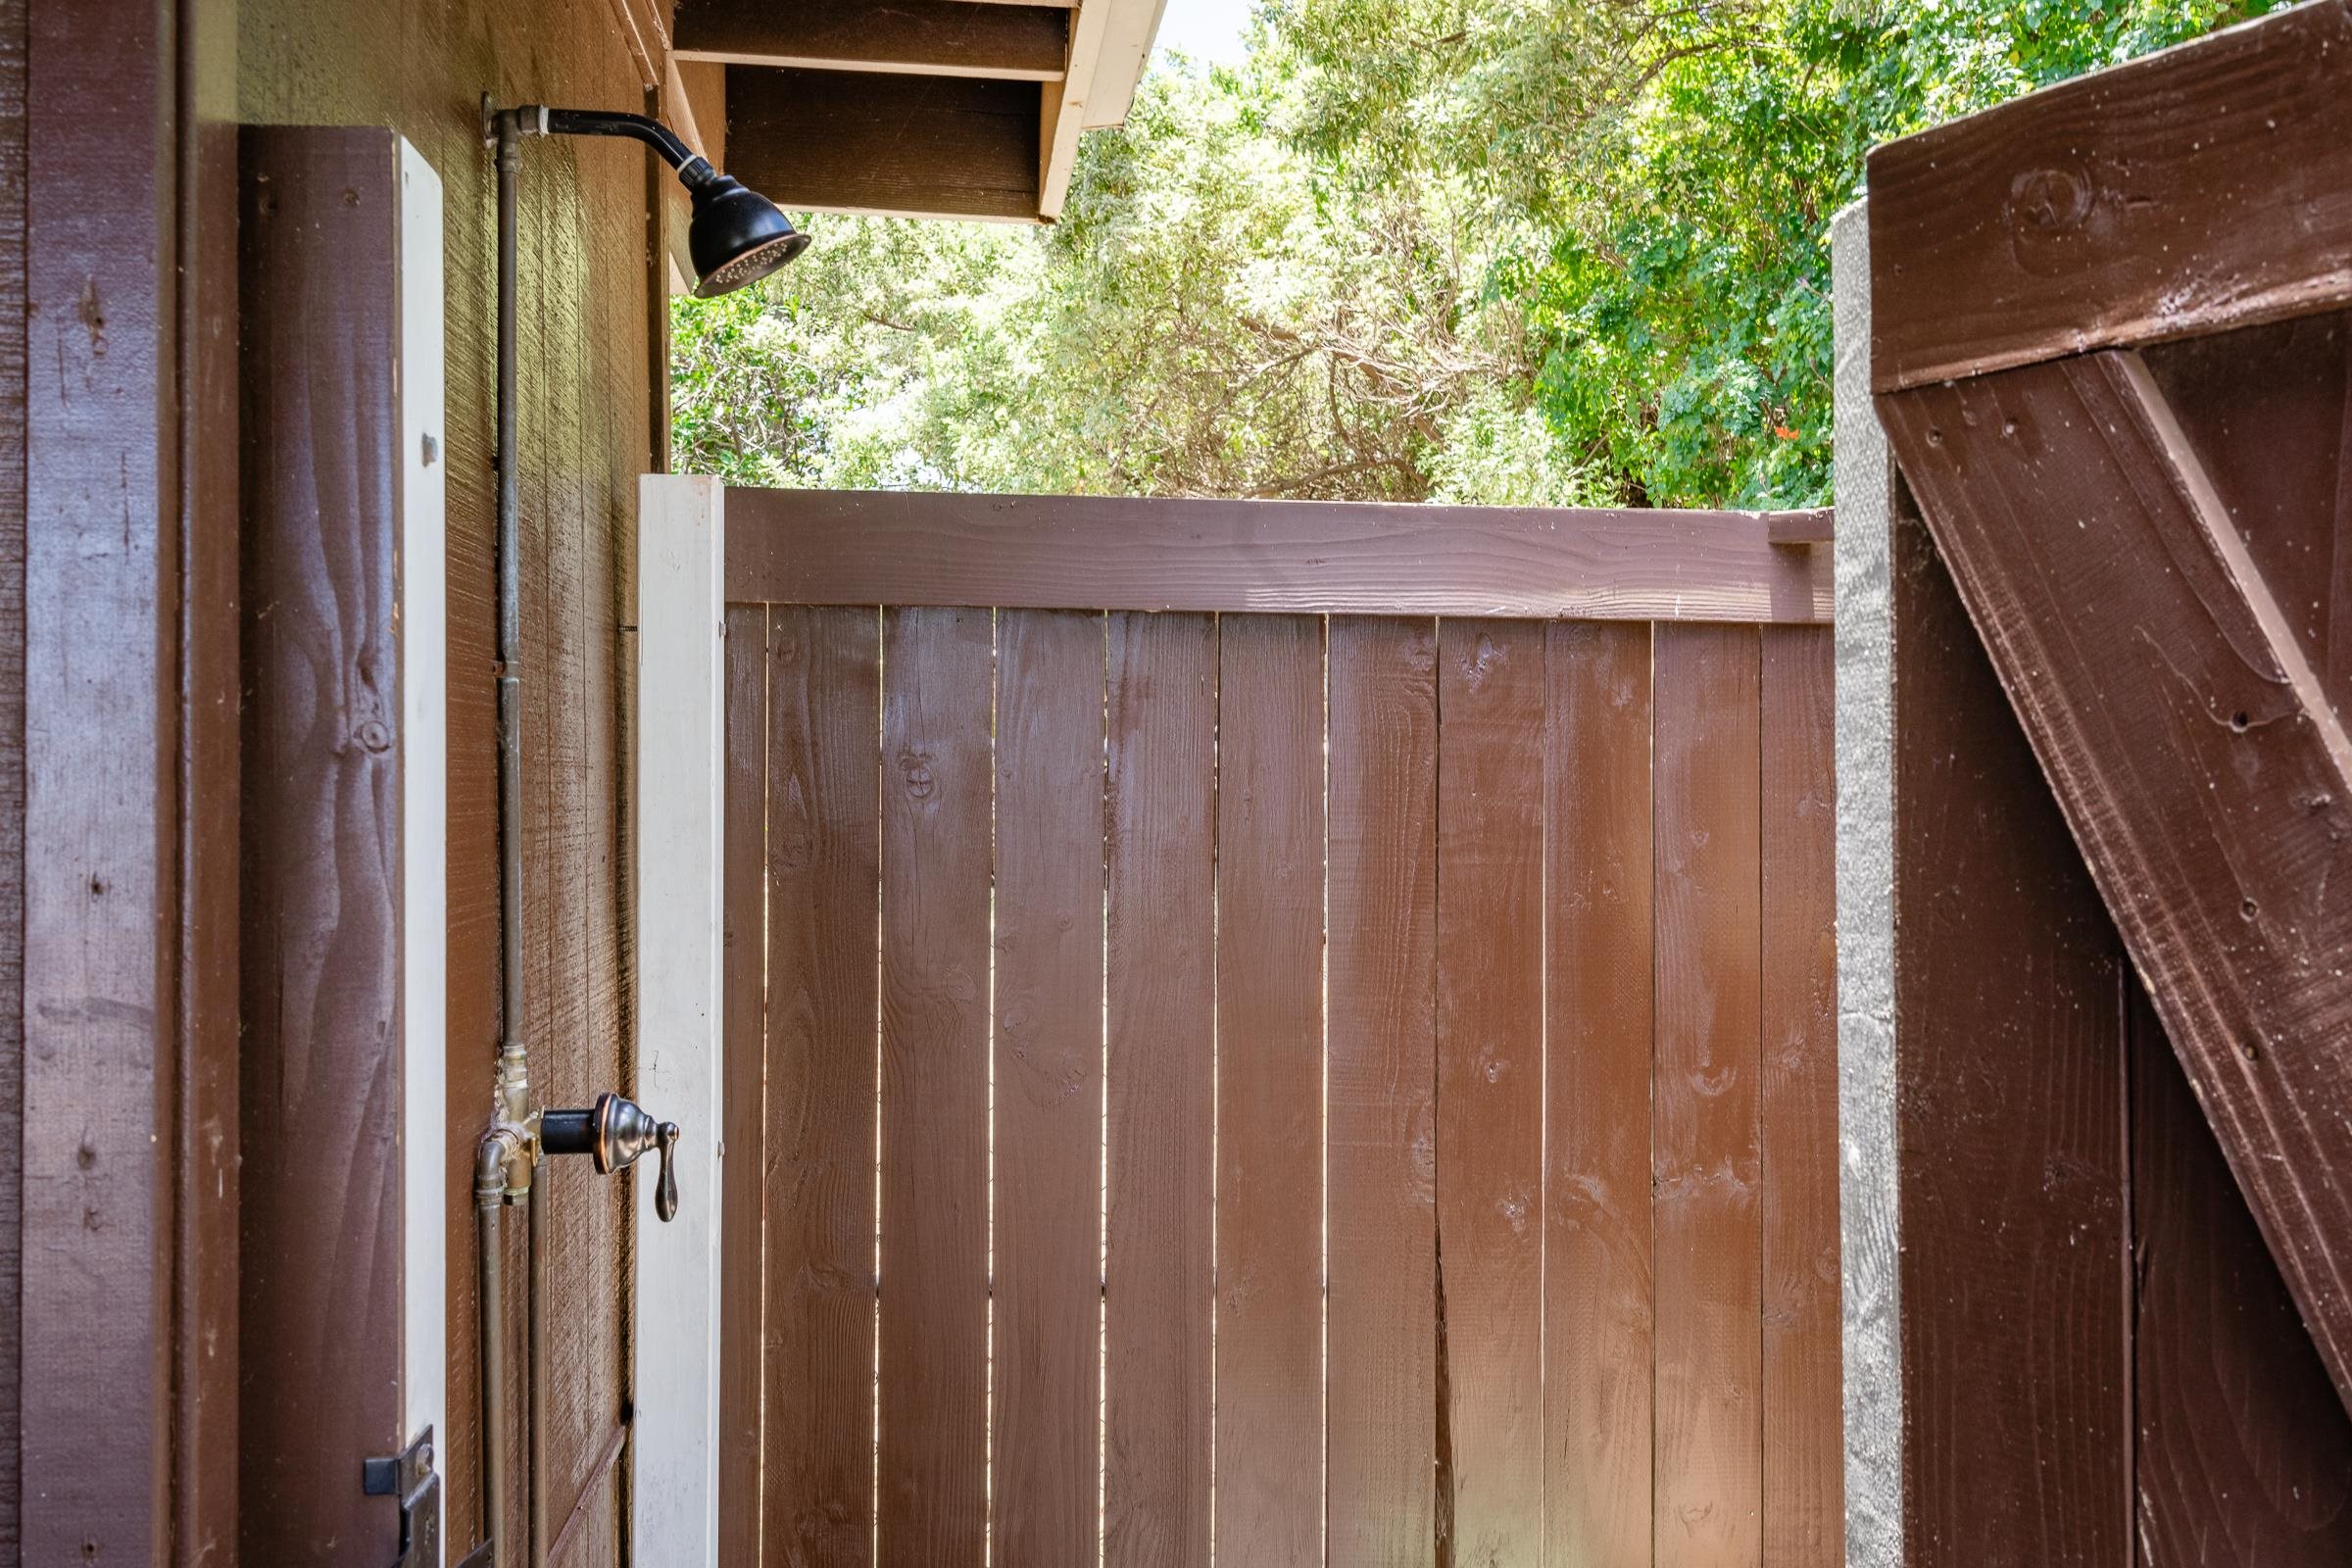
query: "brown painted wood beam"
2205, 775
2198, 189
1310, 558
877, 142
923, 37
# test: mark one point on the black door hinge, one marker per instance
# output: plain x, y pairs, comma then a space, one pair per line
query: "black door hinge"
410, 1476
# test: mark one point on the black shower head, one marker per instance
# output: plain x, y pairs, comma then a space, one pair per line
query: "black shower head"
736, 236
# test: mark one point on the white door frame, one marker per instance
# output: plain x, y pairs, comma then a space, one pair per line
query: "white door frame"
681, 613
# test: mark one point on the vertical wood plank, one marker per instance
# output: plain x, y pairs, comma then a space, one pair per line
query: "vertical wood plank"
938, 670
1708, 1263
743, 1002
1598, 1308
1269, 1498
1382, 1087
823, 882
2009, 1120
1804, 1490
1049, 1086
100, 737
321, 1304
1160, 950
2243, 1453
13, 332
1490, 1049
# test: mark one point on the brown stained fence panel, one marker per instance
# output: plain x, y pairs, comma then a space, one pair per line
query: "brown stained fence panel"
1269, 1368
1708, 1490
1597, 1370
1307, 1080
1489, 1108
932, 1440
1382, 1151
1797, 1111
1160, 716
823, 842
1046, 1086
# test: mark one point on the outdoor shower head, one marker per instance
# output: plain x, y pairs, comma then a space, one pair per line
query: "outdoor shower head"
737, 236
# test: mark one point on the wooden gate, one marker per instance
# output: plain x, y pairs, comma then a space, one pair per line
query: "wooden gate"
1297, 1032
2108, 330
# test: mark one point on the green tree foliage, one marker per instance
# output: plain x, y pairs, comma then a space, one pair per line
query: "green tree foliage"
1506, 251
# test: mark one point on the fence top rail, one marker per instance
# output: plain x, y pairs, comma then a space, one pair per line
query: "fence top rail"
853, 546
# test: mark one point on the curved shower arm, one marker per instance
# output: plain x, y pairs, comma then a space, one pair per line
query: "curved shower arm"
537, 119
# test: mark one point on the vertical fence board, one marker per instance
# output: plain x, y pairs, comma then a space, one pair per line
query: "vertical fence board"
1709, 1481
1269, 1435
937, 669
823, 837
1382, 869
1598, 1315
743, 847
1804, 1489
1162, 1066
1490, 1049
2244, 1455
2009, 1119
1048, 1085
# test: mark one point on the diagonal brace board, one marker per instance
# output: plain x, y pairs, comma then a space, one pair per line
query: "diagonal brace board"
2205, 777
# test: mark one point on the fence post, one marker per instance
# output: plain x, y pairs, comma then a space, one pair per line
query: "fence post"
1867, 1147
680, 779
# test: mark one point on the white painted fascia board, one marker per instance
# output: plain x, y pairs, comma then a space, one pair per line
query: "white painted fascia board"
1064, 106
421, 572
680, 780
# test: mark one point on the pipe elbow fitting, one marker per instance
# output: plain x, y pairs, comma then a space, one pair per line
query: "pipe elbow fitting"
494, 1158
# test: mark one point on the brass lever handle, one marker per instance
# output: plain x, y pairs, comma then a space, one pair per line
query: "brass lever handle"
616, 1133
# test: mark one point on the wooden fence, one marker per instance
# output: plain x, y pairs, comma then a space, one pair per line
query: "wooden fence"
1288, 1087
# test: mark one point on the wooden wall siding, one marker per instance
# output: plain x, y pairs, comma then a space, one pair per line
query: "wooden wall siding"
1266, 1139
12, 747
322, 834
591, 356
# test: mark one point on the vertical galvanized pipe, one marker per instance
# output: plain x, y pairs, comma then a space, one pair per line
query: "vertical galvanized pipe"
488, 1198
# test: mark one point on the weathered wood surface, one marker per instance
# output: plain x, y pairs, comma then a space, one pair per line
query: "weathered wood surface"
1324, 972
1381, 1141
1159, 951
860, 141
2243, 1457
1796, 1108
823, 843
1069, 552
2194, 190
929, 37
13, 334
1269, 1327
100, 894
1489, 1090
2267, 411
932, 1445
1708, 1490
742, 1239
322, 1299
2009, 1112
2192, 745
1598, 873
589, 365
1046, 1087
